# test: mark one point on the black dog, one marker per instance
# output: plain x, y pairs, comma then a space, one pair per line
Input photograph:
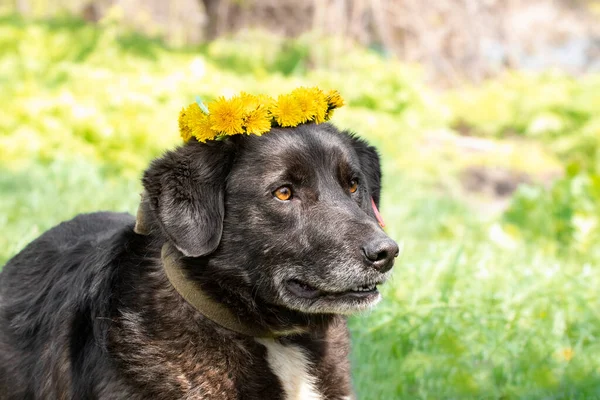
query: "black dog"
231, 285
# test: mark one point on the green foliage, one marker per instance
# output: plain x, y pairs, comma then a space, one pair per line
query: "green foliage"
73, 89
469, 322
37, 198
472, 312
260, 53
552, 107
566, 214
562, 113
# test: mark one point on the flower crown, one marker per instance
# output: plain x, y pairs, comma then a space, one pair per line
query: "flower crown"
250, 114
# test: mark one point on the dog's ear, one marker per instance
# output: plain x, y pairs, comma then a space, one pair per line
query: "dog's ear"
370, 164
184, 195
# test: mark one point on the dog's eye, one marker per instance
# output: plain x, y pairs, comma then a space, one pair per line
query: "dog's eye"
283, 193
353, 185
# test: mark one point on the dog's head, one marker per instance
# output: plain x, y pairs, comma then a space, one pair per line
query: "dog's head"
288, 216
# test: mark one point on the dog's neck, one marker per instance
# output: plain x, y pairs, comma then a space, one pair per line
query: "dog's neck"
202, 301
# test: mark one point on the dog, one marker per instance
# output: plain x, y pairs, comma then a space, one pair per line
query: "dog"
232, 282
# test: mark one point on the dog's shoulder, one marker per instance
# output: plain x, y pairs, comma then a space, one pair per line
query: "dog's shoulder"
80, 229
56, 257
49, 293
83, 227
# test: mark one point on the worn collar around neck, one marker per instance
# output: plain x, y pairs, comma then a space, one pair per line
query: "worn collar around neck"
201, 301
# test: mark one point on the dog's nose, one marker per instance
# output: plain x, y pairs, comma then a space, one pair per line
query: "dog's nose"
380, 253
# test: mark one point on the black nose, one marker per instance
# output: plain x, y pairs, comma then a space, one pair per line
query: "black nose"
380, 253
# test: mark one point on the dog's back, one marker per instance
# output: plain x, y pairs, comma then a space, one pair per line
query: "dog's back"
45, 304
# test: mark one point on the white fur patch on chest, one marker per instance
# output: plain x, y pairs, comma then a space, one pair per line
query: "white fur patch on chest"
292, 367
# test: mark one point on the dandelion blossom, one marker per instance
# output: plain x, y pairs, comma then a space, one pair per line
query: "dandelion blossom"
256, 114
202, 129
287, 111
567, 354
184, 129
334, 99
226, 116
197, 123
258, 121
320, 105
306, 100
250, 101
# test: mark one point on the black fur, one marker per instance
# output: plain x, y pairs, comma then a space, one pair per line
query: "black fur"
86, 311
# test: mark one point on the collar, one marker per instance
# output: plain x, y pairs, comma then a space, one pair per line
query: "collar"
201, 301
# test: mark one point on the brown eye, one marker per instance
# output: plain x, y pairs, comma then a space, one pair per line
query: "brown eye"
283, 193
353, 185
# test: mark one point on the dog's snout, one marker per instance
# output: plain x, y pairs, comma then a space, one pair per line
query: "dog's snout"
380, 253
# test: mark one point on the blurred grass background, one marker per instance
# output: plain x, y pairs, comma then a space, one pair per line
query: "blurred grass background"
491, 186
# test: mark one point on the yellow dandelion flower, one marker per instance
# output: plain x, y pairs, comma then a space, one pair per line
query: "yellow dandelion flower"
255, 114
226, 116
201, 129
320, 104
198, 123
184, 129
334, 99
306, 100
287, 111
250, 101
266, 101
567, 354
258, 121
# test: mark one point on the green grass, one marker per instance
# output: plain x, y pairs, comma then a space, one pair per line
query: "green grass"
472, 312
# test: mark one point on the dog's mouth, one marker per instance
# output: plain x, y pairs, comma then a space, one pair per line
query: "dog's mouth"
304, 290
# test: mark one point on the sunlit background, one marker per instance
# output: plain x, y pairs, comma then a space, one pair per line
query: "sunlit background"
486, 112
